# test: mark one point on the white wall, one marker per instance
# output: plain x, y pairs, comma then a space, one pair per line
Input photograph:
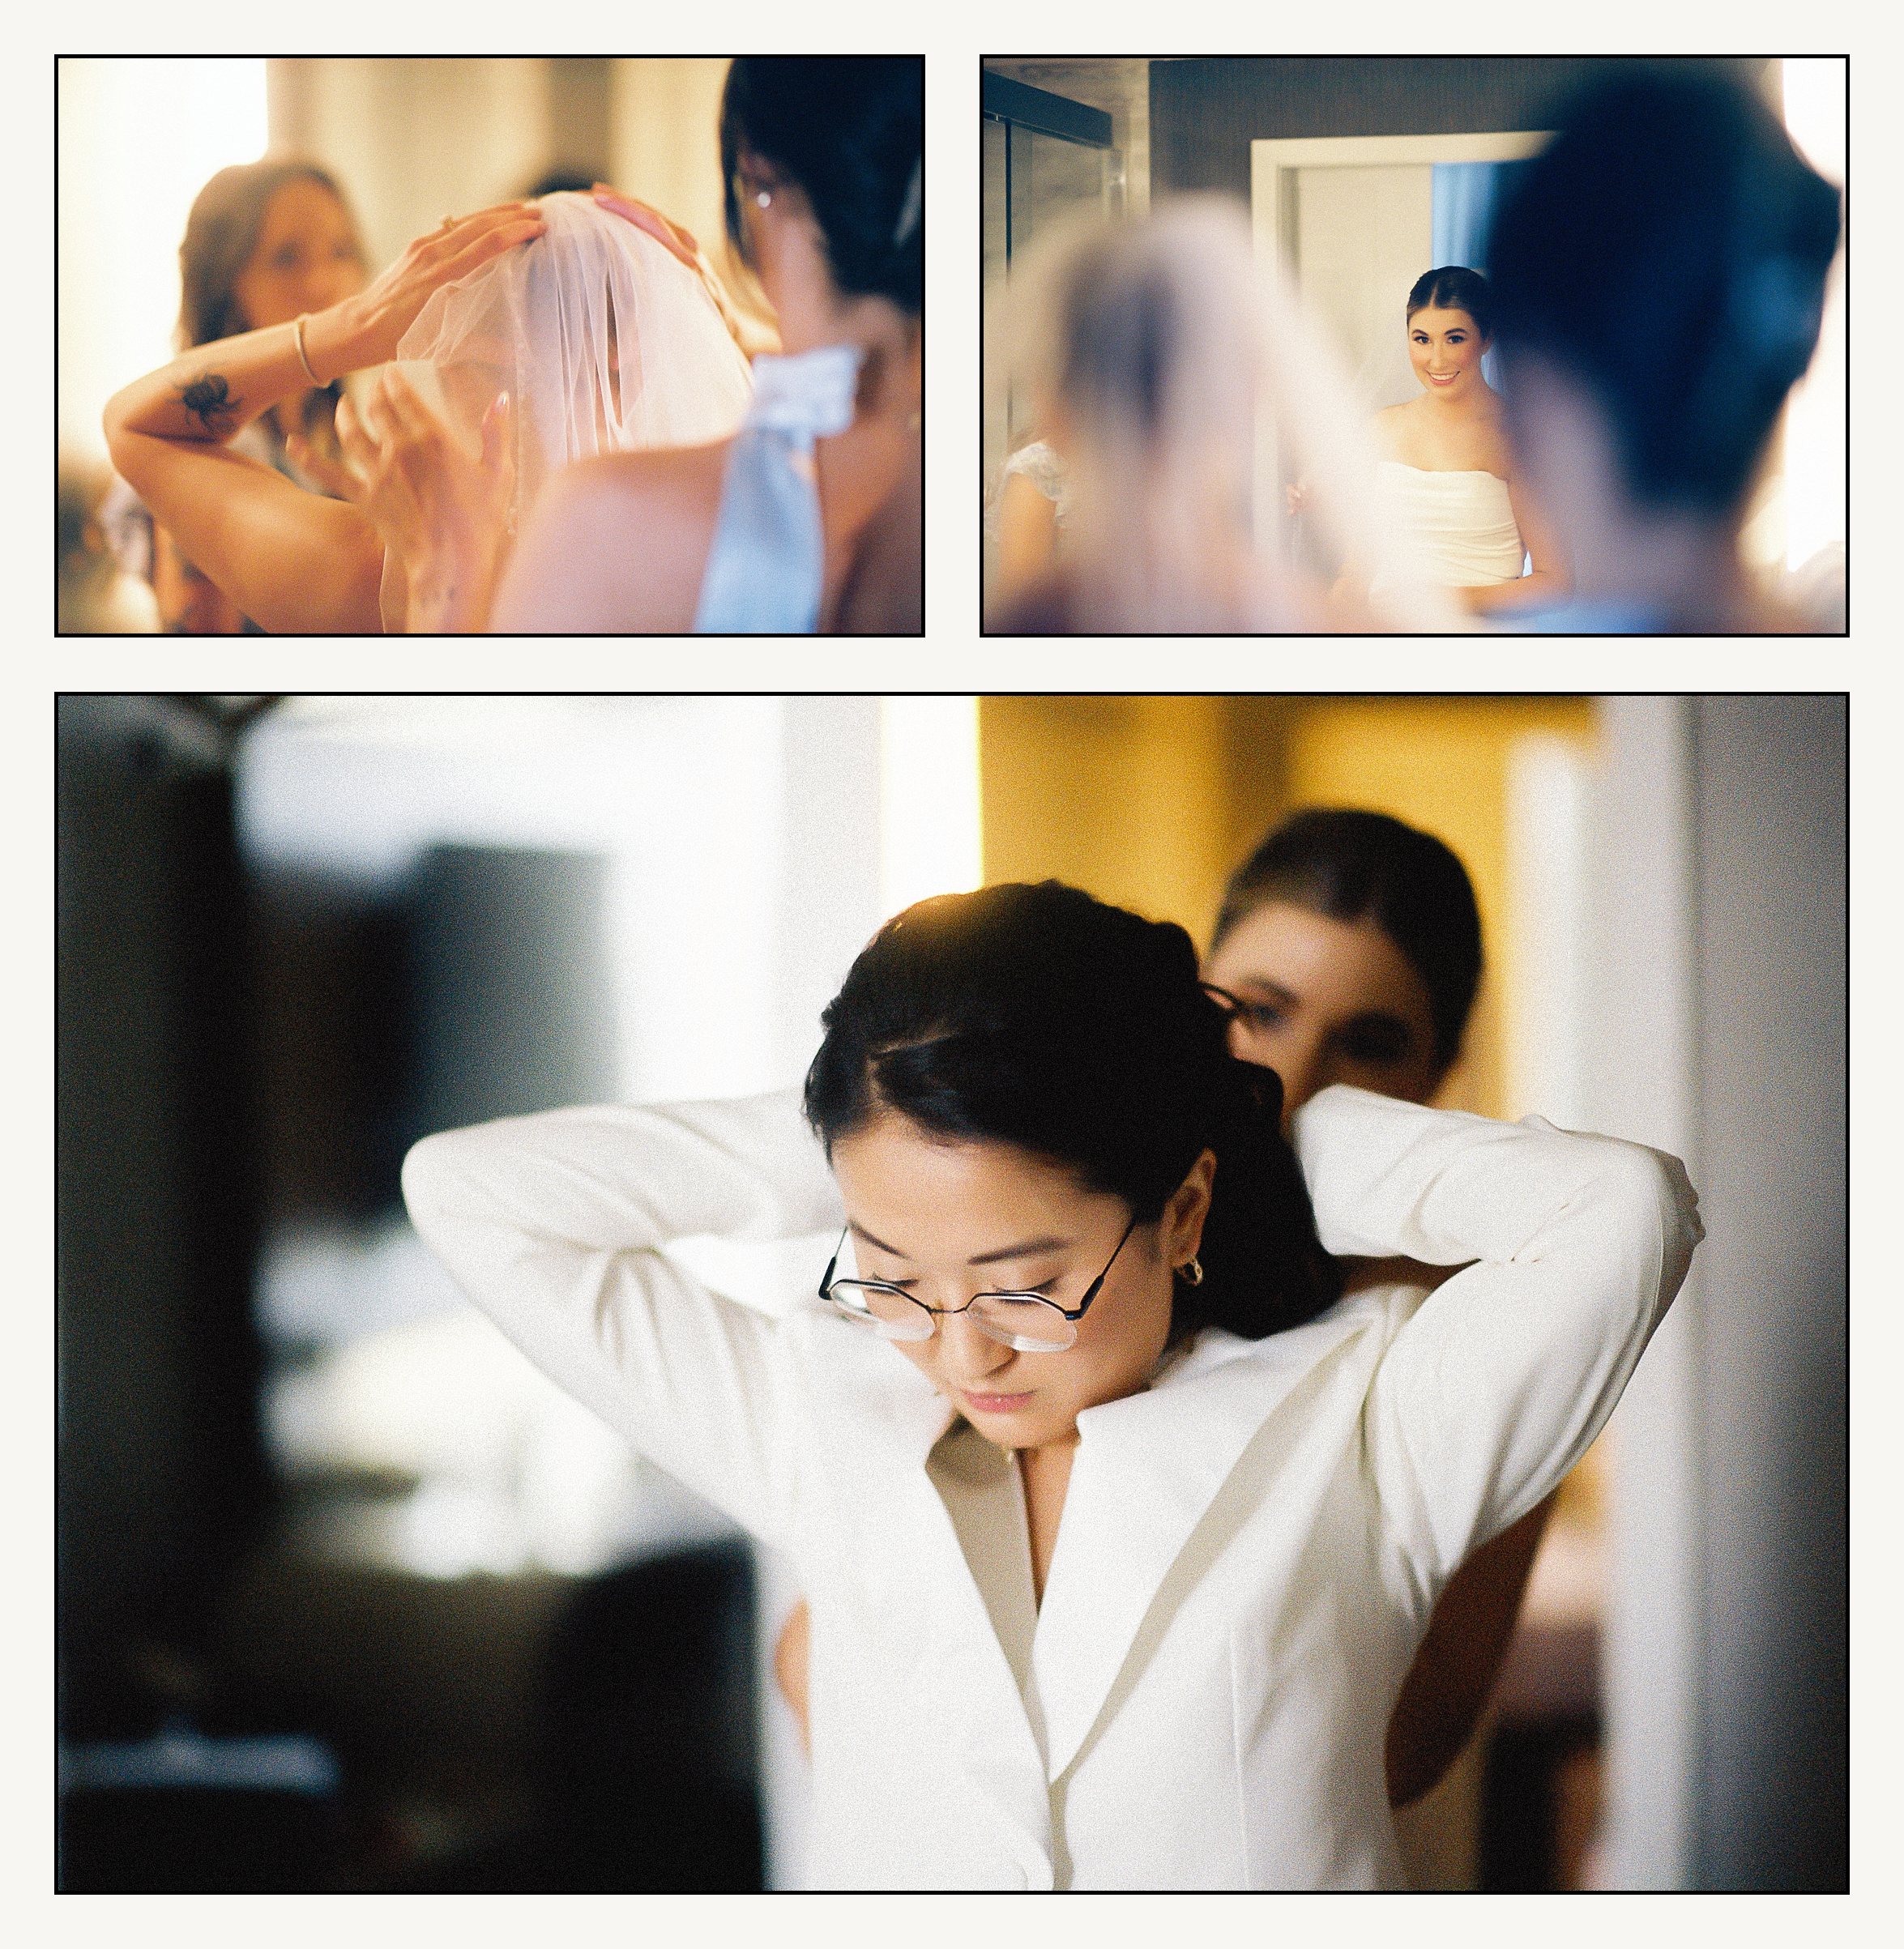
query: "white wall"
1638, 1066
1363, 238
665, 137
1719, 995
138, 140
1770, 808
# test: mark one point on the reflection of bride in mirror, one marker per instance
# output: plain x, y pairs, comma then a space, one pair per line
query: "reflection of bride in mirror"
1152, 356
1447, 469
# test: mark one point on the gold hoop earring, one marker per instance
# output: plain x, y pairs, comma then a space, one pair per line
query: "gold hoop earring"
1191, 1271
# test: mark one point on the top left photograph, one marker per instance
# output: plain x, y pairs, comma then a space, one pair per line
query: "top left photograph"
536, 346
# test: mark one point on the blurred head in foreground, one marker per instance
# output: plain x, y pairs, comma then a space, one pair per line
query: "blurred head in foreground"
1151, 353
1659, 278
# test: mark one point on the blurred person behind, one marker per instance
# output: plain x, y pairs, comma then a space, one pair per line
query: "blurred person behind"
1147, 350
1349, 946
1659, 273
95, 596
264, 241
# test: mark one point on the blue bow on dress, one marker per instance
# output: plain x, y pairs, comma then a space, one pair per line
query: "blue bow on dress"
763, 573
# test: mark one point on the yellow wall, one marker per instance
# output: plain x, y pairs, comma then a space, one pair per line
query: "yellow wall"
1152, 801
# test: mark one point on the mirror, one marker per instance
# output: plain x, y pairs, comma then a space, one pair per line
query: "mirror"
1357, 219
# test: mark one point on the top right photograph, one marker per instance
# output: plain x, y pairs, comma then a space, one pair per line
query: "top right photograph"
1415, 344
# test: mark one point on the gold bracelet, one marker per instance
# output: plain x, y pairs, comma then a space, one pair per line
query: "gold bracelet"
304, 357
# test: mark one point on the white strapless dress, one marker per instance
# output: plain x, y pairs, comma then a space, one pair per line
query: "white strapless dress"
1462, 525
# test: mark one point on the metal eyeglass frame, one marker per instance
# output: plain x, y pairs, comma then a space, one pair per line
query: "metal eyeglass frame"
1070, 1315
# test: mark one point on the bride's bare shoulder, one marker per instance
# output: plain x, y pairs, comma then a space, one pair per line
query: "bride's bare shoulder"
1391, 427
617, 543
671, 488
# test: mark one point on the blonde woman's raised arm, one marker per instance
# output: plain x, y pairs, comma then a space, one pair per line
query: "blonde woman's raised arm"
292, 562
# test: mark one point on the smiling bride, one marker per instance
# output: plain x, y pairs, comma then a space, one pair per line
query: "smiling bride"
1448, 472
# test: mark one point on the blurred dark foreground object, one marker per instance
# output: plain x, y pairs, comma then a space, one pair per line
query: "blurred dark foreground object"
645, 1743
236, 1712
637, 1774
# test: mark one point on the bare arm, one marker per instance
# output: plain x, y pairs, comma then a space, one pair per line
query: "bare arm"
1027, 535
292, 562
1549, 579
1457, 1662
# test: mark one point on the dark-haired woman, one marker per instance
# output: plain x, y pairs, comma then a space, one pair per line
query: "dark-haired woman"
1449, 470
264, 242
1660, 271
1350, 946
1119, 1526
812, 517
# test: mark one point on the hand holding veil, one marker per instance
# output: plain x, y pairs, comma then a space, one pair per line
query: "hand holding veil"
602, 341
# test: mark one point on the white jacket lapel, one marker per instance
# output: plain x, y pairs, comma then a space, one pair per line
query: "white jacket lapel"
941, 1651
1147, 1469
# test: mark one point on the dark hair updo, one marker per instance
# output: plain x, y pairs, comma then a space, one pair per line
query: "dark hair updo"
1038, 1017
1669, 250
222, 232
1455, 288
1355, 866
849, 130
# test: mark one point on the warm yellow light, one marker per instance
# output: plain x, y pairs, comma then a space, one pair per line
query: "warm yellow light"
138, 139
929, 798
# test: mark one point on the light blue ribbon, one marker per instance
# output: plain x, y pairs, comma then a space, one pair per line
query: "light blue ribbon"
763, 573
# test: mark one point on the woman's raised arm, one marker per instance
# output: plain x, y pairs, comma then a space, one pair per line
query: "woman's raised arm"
1572, 1248
553, 1225
292, 561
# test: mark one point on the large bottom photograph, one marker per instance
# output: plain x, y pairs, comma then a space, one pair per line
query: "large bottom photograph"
697, 1294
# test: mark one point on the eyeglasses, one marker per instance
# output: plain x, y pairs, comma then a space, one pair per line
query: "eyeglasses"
1026, 1322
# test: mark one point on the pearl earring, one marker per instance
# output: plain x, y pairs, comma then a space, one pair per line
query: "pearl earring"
764, 197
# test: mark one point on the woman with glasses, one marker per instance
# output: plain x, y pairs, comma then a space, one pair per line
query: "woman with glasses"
1347, 947
1121, 1473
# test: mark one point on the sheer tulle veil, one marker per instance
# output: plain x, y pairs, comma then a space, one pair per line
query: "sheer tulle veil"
604, 341
1192, 388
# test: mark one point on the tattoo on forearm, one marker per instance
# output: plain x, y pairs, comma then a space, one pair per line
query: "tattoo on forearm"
208, 399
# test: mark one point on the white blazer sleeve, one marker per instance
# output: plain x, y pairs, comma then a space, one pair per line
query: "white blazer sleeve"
552, 1224
1573, 1247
